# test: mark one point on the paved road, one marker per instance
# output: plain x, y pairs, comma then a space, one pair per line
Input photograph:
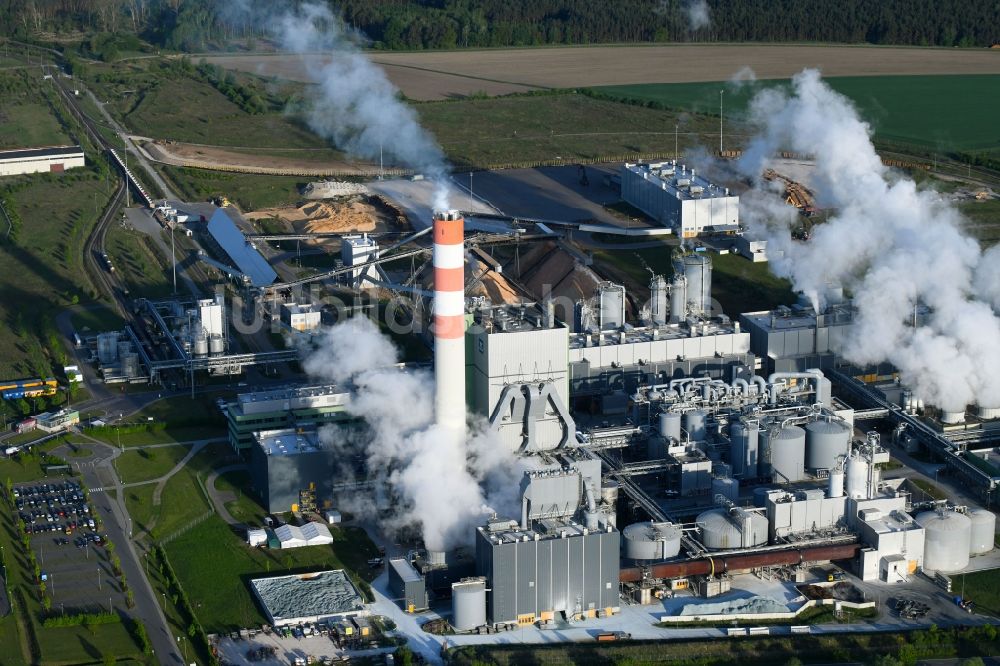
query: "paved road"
98, 472
219, 498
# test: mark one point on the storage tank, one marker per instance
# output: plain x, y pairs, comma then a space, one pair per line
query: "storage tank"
783, 453
670, 425
200, 347
727, 487
947, 540
609, 492
988, 413
722, 529
659, 308
743, 438
826, 442
215, 345
651, 541
857, 477
468, 604
611, 305
835, 487
697, 269
952, 417
678, 299
695, 422
984, 525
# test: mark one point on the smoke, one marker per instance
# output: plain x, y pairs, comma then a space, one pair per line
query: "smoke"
353, 103
744, 76
444, 483
697, 14
899, 249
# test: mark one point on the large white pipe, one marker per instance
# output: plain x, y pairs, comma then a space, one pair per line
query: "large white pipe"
449, 320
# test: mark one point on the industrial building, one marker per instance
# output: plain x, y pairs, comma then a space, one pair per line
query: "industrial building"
55, 159
679, 198
57, 421
300, 317
791, 338
324, 596
245, 258
283, 408
291, 471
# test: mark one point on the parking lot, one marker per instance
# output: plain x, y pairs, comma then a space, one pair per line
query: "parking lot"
68, 545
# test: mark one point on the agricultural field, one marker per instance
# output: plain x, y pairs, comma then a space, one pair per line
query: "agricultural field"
947, 113
26, 116
424, 75
553, 127
212, 557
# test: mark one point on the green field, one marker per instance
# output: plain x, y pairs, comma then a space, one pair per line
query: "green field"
554, 127
139, 264
948, 113
211, 557
26, 117
176, 419
983, 587
245, 508
96, 318
138, 465
249, 191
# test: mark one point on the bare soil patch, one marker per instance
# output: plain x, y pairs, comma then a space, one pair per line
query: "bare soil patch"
259, 161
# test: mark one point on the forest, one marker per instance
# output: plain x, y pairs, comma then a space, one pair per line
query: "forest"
200, 25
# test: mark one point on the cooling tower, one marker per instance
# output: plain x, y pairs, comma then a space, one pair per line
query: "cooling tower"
449, 320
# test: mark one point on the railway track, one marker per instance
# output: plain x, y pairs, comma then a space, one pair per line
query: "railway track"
94, 248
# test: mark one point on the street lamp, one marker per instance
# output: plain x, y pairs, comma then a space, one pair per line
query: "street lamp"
720, 122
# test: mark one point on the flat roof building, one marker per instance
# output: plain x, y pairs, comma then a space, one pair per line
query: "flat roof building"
284, 407
55, 159
324, 596
677, 197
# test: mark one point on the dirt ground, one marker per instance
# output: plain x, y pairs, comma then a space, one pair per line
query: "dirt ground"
432, 75
323, 217
213, 157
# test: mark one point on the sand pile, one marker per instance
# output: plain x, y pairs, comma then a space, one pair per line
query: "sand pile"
324, 217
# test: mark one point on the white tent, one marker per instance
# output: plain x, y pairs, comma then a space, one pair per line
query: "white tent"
310, 534
257, 537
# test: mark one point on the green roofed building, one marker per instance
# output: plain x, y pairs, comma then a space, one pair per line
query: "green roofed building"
281, 408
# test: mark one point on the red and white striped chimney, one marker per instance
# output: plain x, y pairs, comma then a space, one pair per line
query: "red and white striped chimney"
449, 320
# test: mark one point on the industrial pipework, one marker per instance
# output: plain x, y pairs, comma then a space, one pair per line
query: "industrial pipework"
449, 320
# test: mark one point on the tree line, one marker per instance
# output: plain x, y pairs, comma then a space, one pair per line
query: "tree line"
196, 25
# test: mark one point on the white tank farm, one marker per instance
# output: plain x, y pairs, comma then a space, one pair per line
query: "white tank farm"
651, 541
984, 526
468, 604
947, 539
723, 529
784, 454
826, 442
727, 487
695, 423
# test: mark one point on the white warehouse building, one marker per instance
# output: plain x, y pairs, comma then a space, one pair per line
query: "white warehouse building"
679, 198
55, 159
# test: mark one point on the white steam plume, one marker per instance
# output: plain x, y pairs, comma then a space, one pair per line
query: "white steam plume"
697, 13
447, 483
354, 104
894, 246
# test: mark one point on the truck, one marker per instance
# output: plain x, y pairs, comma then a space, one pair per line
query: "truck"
608, 636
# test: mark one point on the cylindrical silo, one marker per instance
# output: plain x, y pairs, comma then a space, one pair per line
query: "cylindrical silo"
678, 299
988, 413
697, 269
826, 443
651, 541
659, 308
835, 488
609, 492
947, 539
695, 422
670, 425
468, 604
952, 417
984, 526
743, 438
611, 305
857, 477
723, 529
784, 451
727, 487
216, 345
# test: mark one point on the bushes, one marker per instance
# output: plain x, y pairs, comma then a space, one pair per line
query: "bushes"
81, 619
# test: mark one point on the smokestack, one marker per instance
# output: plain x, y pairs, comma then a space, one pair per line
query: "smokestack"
449, 320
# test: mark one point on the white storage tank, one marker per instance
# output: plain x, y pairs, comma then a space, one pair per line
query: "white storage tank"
826, 443
947, 540
468, 604
984, 526
952, 417
651, 541
727, 487
784, 451
678, 299
611, 305
857, 477
659, 309
743, 438
697, 269
670, 425
988, 413
835, 487
695, 422
723, 529
609, 492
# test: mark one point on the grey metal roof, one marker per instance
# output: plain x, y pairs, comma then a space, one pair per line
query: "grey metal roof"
307, 595
247, 259
404, 570
67, 151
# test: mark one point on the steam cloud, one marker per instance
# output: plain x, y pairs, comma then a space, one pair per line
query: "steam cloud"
353, 103
446, 484
894, 246
697, 14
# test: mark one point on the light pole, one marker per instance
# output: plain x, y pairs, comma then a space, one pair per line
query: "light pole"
720, 122
173, 258
676, 155
98, 578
